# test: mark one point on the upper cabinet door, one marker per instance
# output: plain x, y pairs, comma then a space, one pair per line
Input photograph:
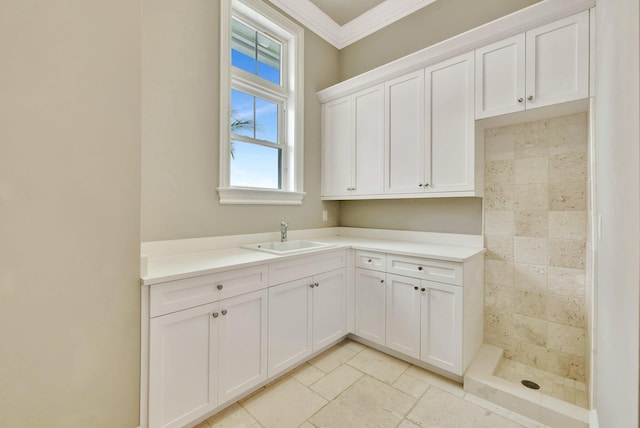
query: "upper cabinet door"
329, 308
558, 61
500, 77
405, 133
338, 150
450, 128
368, 113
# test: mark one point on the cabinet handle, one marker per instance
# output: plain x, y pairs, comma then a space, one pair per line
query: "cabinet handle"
215, 315
530, 97
224, 312
520, 99
415, 288
422, 289
419, 267
219, 287
312, 285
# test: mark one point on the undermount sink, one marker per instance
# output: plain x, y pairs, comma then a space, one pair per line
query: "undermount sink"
289, 247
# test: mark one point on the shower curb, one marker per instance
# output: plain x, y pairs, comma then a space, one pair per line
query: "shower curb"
480, 381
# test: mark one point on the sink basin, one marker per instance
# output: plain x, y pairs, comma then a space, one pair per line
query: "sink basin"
289, 247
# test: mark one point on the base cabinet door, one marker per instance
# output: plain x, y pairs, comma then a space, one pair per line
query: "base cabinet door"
370, 305
182, 366
329, 307
441, 329
242, 344
290, 324
403, 315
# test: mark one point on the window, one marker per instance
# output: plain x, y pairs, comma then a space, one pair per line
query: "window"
261, 128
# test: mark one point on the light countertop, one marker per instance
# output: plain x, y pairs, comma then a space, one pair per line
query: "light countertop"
185, 264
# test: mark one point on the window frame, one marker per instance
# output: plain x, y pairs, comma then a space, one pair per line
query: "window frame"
291, 91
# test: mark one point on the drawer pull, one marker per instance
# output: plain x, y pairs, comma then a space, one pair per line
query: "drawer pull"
215, 315
224, 312
369, 261
219, 287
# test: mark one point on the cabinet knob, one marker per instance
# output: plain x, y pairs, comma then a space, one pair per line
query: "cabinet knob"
224, 312
520, 99
317, 284
530, 97
415, 288
420, 185
369, 261
422, 289
426, 184
215, 315
382, 281
419, 267
219, 287
312, 285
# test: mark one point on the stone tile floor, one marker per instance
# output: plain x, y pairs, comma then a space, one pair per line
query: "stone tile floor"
569, 390
353, 386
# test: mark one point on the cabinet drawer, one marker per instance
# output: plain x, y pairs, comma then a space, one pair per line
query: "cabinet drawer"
371, 260
186, 293
302, 267
433, 270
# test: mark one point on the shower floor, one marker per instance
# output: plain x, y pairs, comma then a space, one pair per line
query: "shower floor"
568, 390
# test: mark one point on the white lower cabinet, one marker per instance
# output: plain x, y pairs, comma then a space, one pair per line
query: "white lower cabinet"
438, 322
305, 315
370, 305
441, 327
403, 315
204, 356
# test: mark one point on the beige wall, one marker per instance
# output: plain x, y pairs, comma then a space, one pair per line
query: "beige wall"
69, 213
180, 125
432, 24
429, 25
535, 234
446, 215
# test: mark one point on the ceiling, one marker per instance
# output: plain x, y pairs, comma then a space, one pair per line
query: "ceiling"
342, 22
343, 11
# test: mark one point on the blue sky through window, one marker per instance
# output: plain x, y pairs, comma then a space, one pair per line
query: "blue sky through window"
254, 165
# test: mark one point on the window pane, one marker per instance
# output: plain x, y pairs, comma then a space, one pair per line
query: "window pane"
242, 115
268, 59
243, 46
266, 120
253, 165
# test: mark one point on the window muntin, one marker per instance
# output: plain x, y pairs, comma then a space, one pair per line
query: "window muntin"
255, 52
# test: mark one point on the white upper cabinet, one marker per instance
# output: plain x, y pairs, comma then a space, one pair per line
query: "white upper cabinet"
500, 77
353, 144
544, 66
338, 149
368, 115
450, 131
430, 123
405, 133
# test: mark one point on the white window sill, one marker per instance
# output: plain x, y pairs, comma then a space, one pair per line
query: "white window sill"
252, 196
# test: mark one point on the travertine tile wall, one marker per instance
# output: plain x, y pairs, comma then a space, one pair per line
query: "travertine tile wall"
535, 230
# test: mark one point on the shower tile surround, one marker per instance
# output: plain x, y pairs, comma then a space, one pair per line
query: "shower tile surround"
535, 233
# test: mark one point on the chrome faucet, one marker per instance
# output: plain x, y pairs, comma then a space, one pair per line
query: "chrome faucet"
283, 231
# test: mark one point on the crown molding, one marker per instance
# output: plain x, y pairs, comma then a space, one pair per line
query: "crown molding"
369, 22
